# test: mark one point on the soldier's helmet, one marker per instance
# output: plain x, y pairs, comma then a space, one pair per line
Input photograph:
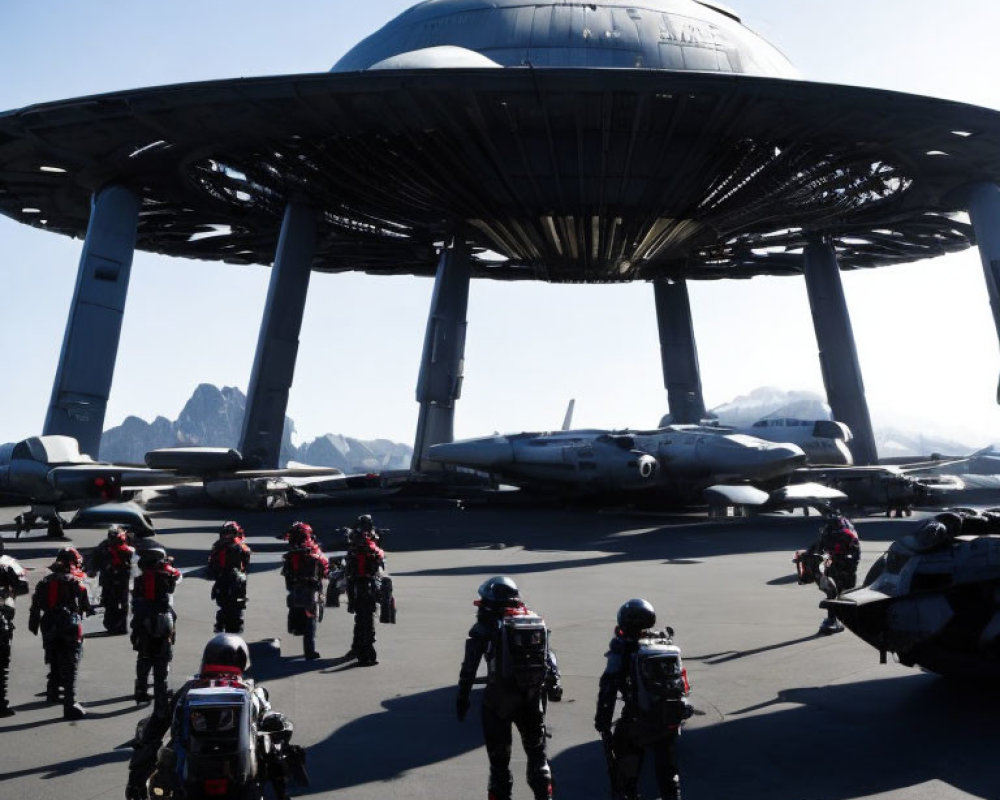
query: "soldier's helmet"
231, 530
635, 616
499, 591
67, 559
226, 650
299, 534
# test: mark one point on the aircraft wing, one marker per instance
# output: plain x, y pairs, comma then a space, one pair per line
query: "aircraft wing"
105, 480
202, 462
832, 473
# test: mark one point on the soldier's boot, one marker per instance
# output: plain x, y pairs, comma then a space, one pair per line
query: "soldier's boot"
830, 625
161, 689
72, 710
673, 789
543, 792
142, 668
368, 657
5, 709
52, 693
540, 781
309, 643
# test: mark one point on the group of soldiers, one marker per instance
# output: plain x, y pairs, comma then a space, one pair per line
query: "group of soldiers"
643, 665
644, 669
146, 581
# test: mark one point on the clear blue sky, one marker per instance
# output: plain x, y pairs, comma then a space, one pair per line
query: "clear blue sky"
926, 340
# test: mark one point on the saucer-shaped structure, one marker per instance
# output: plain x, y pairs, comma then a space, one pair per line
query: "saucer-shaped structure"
579, 157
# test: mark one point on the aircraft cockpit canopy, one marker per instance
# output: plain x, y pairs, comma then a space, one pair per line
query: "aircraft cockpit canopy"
51, 450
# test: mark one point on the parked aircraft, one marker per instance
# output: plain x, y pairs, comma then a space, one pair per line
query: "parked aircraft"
931, 598
50, 474
893, 488
675, 463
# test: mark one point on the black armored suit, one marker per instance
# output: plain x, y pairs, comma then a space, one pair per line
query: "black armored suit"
13, 583
227, 568
522, 676
643, 668
832, 563
203, 756
368, 587
304, 567
111, 562
58, 607
153, 624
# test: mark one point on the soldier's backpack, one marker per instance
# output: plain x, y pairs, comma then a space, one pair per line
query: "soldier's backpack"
522, 652
215, 747
660, 684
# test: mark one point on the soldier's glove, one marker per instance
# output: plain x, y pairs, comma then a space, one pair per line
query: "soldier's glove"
33, 626
602, 727
461, 707
688, 711
554, 693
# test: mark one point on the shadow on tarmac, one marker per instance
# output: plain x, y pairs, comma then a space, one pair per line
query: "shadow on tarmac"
850, 740
410, 732
732, 655
64, 768
835, 743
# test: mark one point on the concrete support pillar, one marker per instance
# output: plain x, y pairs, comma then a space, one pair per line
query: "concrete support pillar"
678, 352
90, 344
984, 211
278, 343
440, 382
838, 356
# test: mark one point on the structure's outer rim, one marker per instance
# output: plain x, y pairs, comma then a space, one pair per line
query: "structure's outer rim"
392, 120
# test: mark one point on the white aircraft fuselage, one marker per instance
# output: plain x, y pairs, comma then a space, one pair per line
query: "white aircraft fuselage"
678, 459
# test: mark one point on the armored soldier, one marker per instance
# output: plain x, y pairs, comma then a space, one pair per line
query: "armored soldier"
58, 607
154, 624
224, 661
832, 563
13, 583
522, 676
304, 567
367, 587
227, 566
643, 667
111, 562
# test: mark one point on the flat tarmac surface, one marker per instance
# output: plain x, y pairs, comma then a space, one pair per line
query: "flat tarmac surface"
782, 714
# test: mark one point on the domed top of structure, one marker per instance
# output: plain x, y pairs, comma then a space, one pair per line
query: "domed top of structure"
564, 141
692, 35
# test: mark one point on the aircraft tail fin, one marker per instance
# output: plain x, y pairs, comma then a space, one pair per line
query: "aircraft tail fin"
568, 419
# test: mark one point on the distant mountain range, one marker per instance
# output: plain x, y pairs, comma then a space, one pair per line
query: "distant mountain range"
213, 417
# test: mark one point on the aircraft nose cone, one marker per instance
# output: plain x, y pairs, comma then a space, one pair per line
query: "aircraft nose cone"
474, 453
778, 459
